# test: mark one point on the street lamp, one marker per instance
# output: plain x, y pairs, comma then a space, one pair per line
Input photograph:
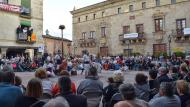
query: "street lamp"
75, 47
169, 41
61, 27
127, 42
169, 46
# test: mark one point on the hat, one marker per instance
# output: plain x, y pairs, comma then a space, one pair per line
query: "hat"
118, 76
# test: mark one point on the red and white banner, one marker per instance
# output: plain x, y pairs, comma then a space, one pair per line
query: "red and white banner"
9, 7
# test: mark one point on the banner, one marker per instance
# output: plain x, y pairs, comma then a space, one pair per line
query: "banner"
9, 7
130, 35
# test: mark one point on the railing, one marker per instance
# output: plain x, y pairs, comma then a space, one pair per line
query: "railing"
179, 32
90, 42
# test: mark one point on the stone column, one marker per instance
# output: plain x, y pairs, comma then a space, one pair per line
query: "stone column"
3, 51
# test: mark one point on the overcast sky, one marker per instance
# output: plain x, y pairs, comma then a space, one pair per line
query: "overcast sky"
57, 12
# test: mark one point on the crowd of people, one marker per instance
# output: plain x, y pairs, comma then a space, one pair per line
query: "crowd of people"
165, 85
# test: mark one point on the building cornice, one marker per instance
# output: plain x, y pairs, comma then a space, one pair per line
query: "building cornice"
94, 6
56, 38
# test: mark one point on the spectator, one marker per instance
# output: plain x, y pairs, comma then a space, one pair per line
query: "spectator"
8, 92
57, 102
113, 88
56, 88
183, 91
46, 83
91, 83
18, 83
73, 100
153, 83
142, 88
128, 94
163, 75
185, 72
33, 92
107, 93
166, 97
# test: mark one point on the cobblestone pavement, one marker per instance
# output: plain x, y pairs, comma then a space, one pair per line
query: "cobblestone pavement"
129, 77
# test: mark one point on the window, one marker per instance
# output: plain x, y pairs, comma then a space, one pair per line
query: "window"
157, 2
103, 14
119, 10
103, 31
126, 29
92, 34
86, 18
139, 28
79, 19
143, 5
158, 24
25, 7
131, 8
83, 35
173, 1
94, 16
180, 25
4, 1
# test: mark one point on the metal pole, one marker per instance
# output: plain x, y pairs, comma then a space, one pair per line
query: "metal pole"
169, 41
128, 49
62, 43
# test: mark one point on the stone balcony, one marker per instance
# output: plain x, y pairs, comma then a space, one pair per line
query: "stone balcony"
138, 40
90, 42
180, 37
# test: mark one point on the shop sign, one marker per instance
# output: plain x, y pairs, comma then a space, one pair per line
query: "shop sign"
186, 31
9, 7
130, 35
41, 48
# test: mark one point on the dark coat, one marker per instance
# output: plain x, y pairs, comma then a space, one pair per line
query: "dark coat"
75, 100
25, 101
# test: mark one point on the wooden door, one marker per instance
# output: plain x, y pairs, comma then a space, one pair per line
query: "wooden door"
104, 51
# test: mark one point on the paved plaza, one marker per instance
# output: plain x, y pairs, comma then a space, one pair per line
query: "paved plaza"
129, 77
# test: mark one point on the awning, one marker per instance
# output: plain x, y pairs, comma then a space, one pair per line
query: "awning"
25, 23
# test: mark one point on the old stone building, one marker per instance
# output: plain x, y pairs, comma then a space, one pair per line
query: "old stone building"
116, 27
21, 27
54, 44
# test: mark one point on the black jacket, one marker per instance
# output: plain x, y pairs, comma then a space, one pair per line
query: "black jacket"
75, 100
25, 101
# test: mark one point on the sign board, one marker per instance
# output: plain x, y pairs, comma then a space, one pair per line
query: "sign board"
41, 48
130, 35
9, 7
186, 31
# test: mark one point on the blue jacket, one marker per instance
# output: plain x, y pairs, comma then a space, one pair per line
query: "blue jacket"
9, 94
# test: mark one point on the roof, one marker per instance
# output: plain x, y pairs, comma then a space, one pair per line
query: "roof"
57, 38
93, 6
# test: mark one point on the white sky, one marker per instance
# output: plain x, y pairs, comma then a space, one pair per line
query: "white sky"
57, 12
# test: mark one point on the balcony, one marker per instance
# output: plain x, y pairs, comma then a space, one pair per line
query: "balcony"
137, 40
90, 42
180, 37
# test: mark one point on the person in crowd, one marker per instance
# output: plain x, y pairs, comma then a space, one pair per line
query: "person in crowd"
183, 92
47, 85
185, 72
65, 91
8, 92
163, 77
165, 97
18, 83
142, 88
153, 83
56, 88
33, 93
107, 94
174, 74
57, 102
91, 83
86, 62
113, 88
129, 97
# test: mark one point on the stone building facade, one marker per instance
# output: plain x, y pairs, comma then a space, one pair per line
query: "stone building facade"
115, 27
54, 44
21, 27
